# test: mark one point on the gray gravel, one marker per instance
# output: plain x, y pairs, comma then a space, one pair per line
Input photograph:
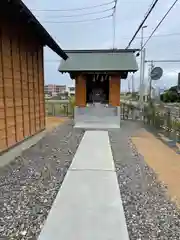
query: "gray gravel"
149, 212
30, 183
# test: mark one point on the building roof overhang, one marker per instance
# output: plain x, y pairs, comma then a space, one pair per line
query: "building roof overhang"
17, 7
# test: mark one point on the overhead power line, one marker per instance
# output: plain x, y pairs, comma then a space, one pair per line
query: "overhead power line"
163, 35
152, 6
157, 36
78, 21
74, 9
81, 14
159, 23
163, 61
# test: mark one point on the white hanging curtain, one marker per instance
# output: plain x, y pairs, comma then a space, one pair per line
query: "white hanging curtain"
102, 78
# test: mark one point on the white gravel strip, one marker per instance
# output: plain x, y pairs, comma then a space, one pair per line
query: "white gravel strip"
28, 186
150, 215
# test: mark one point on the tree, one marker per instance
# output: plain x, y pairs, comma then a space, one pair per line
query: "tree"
170, 96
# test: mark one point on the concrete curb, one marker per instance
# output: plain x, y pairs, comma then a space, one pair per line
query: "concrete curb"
16, 151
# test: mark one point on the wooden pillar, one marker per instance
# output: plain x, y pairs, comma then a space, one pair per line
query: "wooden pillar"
80, 91
114, 90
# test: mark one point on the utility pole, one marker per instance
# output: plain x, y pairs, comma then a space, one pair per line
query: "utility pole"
142, 68
114, 23
132, 79
129, 87
150, 79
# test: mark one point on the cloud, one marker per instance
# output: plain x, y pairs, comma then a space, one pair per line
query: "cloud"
99, 34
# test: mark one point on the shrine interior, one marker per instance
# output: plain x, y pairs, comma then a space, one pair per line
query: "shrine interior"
97, 88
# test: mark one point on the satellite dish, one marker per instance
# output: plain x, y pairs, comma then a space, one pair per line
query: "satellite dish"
156, 73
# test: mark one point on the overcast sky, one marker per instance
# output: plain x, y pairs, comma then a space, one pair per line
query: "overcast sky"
99, 34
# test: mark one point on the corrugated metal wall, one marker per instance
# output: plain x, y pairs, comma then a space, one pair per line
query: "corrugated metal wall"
22, 107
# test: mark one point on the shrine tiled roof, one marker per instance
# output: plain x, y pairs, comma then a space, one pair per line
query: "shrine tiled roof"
99, 60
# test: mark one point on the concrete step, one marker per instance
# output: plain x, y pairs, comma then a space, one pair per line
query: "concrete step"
96, 125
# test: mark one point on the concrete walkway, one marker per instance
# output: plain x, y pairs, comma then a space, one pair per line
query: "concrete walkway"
88, 205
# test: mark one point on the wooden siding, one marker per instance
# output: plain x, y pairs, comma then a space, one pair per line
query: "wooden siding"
22, 105
80, 91
114, 90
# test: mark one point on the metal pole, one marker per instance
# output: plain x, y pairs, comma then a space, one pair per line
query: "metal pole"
150, 79
141, 64
132, 79
129, 87
142, 68
143, 72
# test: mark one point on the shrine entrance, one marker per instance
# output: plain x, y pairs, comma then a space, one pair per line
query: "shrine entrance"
97, 88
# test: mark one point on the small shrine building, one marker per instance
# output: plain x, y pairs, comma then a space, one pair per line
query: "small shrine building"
98, 75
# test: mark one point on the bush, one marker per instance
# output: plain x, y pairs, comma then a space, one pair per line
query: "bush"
170, 96
72, 104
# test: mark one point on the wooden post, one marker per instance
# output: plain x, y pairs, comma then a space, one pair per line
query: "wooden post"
114, 90
80, 94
